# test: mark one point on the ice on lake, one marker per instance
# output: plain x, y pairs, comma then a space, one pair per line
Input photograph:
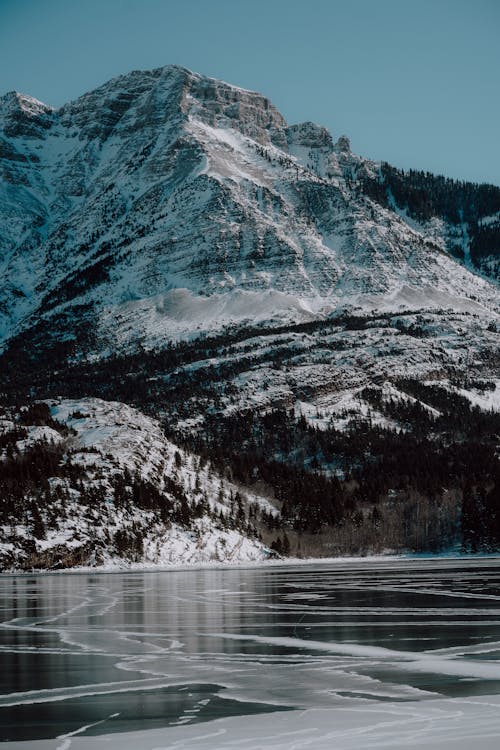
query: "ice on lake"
375, 654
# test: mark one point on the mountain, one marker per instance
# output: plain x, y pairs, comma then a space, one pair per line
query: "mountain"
91, 482
170, 242
165, 202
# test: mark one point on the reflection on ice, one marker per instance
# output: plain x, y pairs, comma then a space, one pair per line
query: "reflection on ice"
378, 654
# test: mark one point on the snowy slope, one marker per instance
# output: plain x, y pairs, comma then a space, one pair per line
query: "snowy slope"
81, 520
165, 204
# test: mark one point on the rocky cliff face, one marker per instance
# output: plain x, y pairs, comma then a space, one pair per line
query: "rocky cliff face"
165, 202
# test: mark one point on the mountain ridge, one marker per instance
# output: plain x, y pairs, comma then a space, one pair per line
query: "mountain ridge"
141, 166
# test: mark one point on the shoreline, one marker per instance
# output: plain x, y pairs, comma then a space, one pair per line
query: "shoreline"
253, 564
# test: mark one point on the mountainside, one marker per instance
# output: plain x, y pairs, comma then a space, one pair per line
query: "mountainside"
165, 202
90, 482
168, 241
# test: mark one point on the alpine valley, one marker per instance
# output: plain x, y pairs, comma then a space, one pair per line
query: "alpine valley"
225, 338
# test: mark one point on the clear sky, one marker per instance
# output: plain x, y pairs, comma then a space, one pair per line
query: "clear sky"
416, 83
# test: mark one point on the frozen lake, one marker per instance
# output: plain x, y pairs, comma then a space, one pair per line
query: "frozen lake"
386, 653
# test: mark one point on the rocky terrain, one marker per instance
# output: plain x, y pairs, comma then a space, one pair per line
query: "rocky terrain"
169, 242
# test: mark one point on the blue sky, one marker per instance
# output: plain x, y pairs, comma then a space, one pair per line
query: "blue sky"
414, 83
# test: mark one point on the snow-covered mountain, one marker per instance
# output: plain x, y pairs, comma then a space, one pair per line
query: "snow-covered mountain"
165, 203
311, 322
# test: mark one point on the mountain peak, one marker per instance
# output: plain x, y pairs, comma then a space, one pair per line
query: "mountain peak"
343, 144
22, 115
309, 134
149, 98
15, 100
